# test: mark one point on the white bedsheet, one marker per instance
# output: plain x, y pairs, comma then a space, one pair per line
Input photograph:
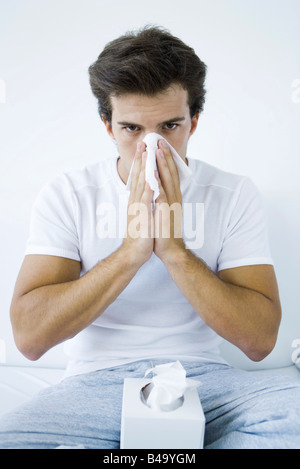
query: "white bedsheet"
19, 384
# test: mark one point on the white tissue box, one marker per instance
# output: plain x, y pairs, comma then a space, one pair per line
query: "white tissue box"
143, 427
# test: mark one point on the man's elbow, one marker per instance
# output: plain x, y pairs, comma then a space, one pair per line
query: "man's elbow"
262, 344
27, 347
30, 354
258, 355
260, 350
25, 342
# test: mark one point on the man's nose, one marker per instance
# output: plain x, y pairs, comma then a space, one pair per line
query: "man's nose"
148, 131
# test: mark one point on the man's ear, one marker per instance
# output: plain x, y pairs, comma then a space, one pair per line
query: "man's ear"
194, 123
108, 127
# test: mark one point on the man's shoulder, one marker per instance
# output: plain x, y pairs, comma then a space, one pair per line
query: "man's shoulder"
209, 176
95, 175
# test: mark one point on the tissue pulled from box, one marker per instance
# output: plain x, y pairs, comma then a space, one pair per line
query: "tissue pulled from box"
151, 141
167, 388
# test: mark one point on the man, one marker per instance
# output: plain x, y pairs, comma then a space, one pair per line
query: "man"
125, 302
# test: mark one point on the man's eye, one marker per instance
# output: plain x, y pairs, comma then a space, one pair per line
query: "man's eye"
131, 128
171, 126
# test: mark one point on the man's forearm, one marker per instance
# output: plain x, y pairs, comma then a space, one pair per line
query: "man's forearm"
242, 316
53, 313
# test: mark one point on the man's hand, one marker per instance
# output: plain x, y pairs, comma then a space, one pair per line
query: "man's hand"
168, 208
140, 223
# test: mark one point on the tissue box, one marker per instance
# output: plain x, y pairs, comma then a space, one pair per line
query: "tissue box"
143, 427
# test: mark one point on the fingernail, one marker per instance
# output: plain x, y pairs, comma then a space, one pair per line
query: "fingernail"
161, 154
139, 146
164, 144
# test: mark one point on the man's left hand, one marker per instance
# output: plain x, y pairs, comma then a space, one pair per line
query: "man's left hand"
168, 206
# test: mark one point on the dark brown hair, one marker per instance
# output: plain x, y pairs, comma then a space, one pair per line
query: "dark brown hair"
147, 62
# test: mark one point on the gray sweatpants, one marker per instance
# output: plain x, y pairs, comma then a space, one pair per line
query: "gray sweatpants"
242, 409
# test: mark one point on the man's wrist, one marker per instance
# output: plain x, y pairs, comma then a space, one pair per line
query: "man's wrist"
130, 257
174, 254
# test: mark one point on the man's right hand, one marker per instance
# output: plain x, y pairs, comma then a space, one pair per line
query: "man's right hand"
140, 224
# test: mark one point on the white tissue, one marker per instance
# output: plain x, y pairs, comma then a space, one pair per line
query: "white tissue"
151, 141
168, 386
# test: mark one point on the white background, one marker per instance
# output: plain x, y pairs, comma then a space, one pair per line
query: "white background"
250, 124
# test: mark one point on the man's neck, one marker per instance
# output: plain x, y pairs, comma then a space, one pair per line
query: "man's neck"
123, 172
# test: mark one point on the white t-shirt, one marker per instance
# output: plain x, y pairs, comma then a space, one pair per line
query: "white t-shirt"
81, 215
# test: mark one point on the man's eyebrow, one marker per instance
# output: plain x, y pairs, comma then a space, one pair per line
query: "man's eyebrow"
128, 123
169, 121
175, 119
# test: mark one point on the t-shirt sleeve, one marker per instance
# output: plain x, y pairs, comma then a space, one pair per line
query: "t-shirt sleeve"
53, 222
246, 236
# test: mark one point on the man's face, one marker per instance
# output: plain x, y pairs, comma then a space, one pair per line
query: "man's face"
136, 115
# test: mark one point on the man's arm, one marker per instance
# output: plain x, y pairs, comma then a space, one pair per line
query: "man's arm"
241, 304
52, 303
